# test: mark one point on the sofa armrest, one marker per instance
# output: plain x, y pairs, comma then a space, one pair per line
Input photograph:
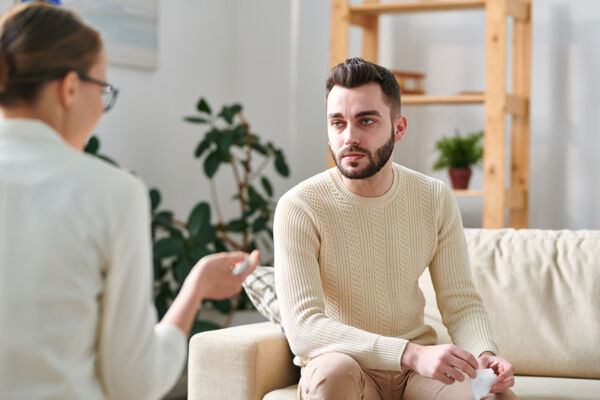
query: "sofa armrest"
242, 362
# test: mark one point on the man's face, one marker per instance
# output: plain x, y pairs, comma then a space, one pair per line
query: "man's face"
360, 130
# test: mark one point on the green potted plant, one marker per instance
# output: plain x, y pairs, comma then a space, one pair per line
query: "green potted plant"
179, 244
458, 154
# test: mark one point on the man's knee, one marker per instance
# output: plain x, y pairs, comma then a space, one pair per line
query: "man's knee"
331, 374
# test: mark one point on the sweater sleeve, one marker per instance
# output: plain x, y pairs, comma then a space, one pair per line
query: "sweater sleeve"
138, 358
460, 305
309, 330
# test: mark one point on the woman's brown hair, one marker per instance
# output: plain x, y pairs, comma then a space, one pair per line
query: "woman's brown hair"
39, 43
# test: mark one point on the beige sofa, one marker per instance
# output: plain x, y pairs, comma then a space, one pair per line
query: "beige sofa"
542, 293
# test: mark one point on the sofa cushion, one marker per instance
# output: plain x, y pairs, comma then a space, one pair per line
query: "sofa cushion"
541, 290
546, 388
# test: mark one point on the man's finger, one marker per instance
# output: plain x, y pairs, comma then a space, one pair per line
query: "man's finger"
501, 387
505, 372
443, 378
468, 357
454, 373
464, 366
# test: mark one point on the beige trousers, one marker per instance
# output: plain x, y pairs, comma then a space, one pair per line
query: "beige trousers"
338, 376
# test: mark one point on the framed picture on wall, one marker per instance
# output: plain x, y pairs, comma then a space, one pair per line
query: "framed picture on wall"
129, 28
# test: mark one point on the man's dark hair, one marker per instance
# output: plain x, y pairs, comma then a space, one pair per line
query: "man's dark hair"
356, 72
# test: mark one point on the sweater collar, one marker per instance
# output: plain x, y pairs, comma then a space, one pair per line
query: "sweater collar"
346, 193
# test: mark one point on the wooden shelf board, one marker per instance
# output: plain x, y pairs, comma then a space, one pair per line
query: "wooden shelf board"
468, 192
415, 6
448, 99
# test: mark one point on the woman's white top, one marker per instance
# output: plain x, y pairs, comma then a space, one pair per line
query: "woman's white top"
77, 319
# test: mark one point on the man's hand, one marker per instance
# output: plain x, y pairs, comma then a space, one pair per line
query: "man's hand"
502, 367
445, 363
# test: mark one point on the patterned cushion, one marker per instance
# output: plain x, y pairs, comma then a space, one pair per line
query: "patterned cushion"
260, 287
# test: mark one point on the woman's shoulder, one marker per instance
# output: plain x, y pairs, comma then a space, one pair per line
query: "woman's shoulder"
107, 181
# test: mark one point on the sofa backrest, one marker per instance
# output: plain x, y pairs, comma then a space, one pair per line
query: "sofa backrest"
541, 290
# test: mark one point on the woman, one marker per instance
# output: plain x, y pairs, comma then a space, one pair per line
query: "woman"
76, 312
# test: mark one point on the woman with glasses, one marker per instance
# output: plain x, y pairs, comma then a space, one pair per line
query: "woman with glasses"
77, 319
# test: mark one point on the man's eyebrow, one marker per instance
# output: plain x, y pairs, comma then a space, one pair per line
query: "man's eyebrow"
358, 115
367, 113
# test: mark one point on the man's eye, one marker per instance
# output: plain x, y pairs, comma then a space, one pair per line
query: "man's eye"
367, 121
337, 124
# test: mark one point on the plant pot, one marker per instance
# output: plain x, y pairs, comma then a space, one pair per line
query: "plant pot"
459, 177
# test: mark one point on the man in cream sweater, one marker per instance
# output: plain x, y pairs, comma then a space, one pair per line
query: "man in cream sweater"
350, 246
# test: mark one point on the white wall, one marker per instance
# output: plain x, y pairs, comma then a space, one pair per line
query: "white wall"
272, 56
146, 131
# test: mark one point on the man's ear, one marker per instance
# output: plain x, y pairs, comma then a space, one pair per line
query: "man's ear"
399, 127
68, 88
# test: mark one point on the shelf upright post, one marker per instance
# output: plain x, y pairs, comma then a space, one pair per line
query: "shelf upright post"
339, 33
494, 146
519, 175
370, 36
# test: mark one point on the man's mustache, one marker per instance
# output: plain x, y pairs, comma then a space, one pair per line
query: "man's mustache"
355, 149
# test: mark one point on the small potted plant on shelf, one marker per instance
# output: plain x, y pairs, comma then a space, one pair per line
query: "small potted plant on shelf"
458, 154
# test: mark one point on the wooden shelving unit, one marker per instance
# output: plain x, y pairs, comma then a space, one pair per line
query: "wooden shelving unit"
496, 99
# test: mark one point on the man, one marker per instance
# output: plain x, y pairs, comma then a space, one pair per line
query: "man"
350, 246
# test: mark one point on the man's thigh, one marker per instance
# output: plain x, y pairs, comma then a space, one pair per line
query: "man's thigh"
338, 376
422, 388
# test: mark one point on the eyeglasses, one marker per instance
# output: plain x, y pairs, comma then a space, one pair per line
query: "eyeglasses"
109, 92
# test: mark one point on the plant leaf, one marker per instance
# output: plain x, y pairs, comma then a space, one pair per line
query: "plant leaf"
92, 145
107, 159
181, 269
228, 112
159, 271
259, 224
197, 252
280, 164
203, 106
154, 198
196, 120
205, 236
224, 306
202, 146
168, 247
199, 219
201, 325
239, 136
259, 148
224, 142
266, 184
161, 303
211, 164
237, 225
458, 151
220, 246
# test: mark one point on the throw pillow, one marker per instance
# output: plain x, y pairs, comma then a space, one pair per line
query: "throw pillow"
260, 287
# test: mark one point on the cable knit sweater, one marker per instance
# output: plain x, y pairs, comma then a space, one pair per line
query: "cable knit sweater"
347, 269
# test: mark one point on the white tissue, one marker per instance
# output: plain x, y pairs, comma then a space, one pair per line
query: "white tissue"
481, 385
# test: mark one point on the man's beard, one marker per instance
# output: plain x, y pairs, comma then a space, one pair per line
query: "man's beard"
382, 155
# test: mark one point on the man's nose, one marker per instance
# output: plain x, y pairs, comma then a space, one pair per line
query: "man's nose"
352, 136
